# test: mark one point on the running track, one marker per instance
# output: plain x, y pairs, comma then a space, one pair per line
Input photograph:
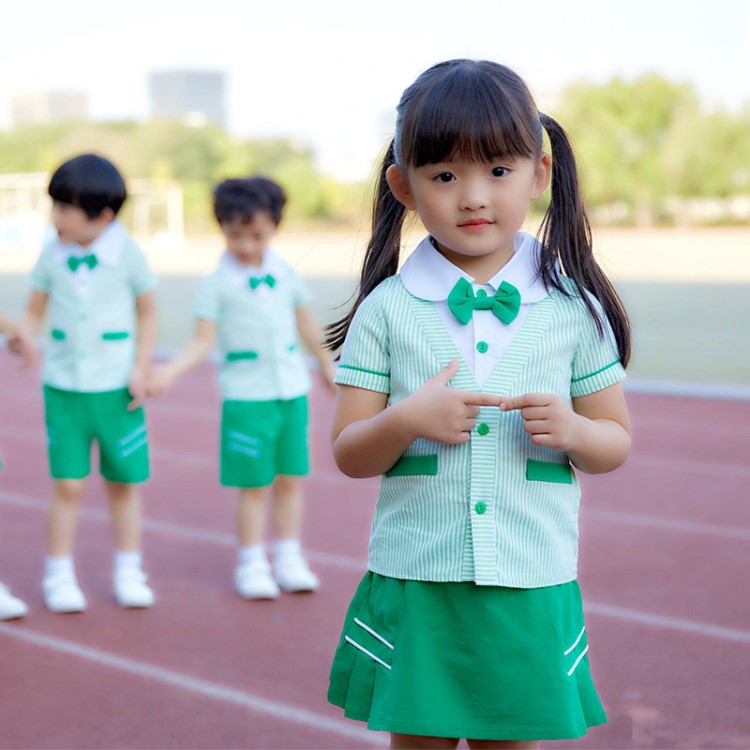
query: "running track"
664, 570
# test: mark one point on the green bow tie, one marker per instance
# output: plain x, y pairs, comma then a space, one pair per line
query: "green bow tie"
74, 262
256, 281
504, 303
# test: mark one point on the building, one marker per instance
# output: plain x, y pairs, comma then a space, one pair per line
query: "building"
46, 107
196, 96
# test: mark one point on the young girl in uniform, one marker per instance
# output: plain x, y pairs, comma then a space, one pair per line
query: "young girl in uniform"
472, 379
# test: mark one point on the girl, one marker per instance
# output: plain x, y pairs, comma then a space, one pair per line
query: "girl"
472, 380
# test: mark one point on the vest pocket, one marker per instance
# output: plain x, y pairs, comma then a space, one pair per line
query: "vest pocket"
548, 471
115, 335
412, 466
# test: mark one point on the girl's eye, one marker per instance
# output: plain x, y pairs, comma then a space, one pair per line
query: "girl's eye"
500, 171
445, 177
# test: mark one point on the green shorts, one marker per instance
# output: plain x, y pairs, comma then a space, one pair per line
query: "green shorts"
76, 419
262, 439
466, 661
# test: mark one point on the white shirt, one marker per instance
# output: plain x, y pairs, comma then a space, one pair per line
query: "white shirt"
428, 275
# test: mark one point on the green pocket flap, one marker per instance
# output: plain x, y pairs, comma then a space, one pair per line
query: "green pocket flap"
115, 335
237, 356
548, 471
57, 334
411, 466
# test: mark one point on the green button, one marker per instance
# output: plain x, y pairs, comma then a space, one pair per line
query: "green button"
483, 428
481, 292
482, 347
480, 507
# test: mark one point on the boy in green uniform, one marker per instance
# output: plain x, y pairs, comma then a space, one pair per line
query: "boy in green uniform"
11, 606
255, 305
94, 282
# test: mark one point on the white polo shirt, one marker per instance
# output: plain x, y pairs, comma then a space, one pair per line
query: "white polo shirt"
92, 312
256, 328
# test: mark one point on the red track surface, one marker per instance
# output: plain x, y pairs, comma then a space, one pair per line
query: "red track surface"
664, 568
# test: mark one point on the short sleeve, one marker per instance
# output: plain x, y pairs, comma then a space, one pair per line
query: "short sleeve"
365, 356
596, 364
142, 279
41, 274
207, 298
300, 292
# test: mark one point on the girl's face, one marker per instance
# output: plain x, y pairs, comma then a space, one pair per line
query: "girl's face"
74, 226
473, 210
247, 241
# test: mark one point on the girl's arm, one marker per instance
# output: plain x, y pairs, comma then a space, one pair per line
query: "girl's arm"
595, 433
310, 334
369, 436
7, 326
195, 351
147, 324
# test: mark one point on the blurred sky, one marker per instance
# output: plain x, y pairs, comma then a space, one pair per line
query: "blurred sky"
330, 72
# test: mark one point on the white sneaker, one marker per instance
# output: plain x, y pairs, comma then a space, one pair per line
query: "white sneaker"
11, 606
62, 594
293, 574
131, 589
254, 581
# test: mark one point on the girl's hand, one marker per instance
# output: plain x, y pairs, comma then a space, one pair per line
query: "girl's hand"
137, 388
159, 380
447, 415
24, 348
547, 418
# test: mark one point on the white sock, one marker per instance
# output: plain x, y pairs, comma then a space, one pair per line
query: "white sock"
252, 555
128, 560
54, 566
286, 547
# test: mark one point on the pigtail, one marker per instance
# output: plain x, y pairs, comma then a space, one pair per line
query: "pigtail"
382, 253
565, 234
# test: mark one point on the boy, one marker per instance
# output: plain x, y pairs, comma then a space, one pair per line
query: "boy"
98, 288
256, 305
11, 606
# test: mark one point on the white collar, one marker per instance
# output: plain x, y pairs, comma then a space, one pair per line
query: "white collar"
429, 275
107, 246
239, 273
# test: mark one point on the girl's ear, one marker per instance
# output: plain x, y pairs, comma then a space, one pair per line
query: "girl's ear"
399, 186
542, 177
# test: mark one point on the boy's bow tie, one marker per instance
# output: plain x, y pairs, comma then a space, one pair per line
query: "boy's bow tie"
256, 281
504, 303
74, 262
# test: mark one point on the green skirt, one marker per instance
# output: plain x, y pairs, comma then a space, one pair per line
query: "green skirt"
466, 661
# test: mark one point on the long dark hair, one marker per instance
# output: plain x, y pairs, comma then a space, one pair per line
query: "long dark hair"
478, 110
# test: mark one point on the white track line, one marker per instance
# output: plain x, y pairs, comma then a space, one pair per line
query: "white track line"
669, 623
213, 690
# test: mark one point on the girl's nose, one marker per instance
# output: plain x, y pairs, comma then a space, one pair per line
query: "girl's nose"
473, 197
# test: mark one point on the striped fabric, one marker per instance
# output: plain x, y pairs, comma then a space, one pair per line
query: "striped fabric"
479, 518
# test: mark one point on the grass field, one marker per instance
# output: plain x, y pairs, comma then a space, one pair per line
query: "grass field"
687, 291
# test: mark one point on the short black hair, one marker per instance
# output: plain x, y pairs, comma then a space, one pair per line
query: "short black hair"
90, 182
244, 198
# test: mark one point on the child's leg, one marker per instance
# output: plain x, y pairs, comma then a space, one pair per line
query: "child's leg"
62, 516
252, 578
125, 511
131, 589
61, 590
415, 742
503, 745
290, 567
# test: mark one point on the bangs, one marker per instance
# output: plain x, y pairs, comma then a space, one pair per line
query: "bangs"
467, 115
